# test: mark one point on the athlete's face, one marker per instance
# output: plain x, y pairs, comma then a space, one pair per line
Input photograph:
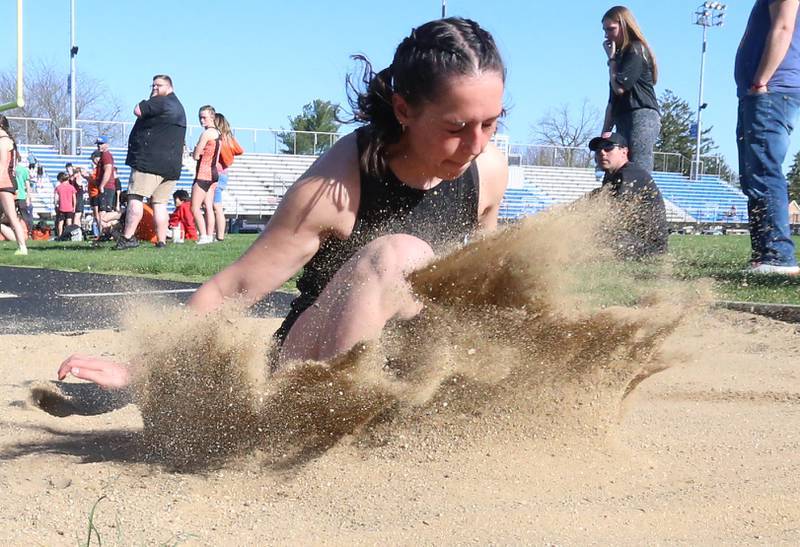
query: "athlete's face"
207, 119
447, 134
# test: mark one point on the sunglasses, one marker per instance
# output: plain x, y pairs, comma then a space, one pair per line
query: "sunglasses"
607, 147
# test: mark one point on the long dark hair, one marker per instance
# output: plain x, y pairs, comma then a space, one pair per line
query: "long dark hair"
431, 54
631, 32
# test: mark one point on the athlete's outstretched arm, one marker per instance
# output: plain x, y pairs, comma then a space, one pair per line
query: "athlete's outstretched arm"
321, 204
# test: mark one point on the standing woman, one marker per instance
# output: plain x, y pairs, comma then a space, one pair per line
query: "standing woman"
206, 153
8, 185
633, 73
229, 149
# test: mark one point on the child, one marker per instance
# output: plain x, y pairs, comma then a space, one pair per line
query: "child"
182, 215
65, 198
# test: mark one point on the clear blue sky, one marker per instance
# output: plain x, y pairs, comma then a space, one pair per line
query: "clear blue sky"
260, 61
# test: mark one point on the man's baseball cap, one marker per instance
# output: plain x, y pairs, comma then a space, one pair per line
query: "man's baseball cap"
102, 139
614, 138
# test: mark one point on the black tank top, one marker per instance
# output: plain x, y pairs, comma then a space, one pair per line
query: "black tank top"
441, 216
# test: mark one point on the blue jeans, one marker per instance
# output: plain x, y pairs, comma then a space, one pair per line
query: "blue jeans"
764, 125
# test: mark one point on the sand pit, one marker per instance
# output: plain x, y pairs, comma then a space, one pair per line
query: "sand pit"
515, 410
707, 452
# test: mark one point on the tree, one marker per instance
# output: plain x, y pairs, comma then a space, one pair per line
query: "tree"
47, 96
318, 117
675, 138
793, 178
566, 129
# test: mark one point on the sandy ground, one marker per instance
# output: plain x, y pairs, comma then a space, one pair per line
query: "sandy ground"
704, 453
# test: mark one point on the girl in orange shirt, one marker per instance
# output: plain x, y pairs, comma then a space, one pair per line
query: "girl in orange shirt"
205, 181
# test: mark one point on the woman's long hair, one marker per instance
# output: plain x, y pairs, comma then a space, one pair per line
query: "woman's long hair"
431, 54
631, 32
223, 126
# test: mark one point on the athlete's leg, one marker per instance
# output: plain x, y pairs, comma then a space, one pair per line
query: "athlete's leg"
369, 290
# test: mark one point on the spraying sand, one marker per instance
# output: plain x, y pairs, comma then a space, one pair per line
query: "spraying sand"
519, 407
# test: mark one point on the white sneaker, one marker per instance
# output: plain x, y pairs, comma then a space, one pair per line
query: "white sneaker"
21, 252
764, 269
205, 240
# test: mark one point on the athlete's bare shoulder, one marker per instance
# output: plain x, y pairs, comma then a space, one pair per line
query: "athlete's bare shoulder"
328, 192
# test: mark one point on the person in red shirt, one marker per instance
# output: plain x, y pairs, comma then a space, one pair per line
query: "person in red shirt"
64, 201
182, 215
93, 188
105, 176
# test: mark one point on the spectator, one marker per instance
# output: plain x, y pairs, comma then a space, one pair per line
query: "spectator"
32, 174
22, 178
79, 183
94, 191
638, 226
377, 205
767, 73
64, 198
118, 188
154, 154
41, 232
8, 185
206, 153
182, 217
229, 149
106, 185
113, 222
632, 72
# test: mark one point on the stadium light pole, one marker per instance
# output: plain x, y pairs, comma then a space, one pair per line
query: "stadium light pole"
444, 9
708, 14
73, 53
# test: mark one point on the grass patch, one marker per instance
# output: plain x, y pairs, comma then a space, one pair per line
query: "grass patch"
177, 262
720, 258
723, 259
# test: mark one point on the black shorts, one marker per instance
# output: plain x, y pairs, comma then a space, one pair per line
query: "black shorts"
107, 199
204, 185
79, 202
10, 189
60, 215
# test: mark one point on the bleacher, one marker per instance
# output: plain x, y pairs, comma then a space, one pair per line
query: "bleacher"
707, 200
53, 162
257, 183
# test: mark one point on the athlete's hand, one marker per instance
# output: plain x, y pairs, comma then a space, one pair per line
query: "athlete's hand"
105, 373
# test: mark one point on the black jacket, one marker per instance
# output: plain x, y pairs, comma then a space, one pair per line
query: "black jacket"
156, 142
640, 227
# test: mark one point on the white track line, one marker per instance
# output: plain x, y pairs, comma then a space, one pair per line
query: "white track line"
8, 295
125, 293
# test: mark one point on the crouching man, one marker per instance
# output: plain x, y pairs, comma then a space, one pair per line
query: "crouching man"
638, 223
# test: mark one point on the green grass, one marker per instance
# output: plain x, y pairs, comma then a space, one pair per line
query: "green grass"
179, 262
722, 259
719, 258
